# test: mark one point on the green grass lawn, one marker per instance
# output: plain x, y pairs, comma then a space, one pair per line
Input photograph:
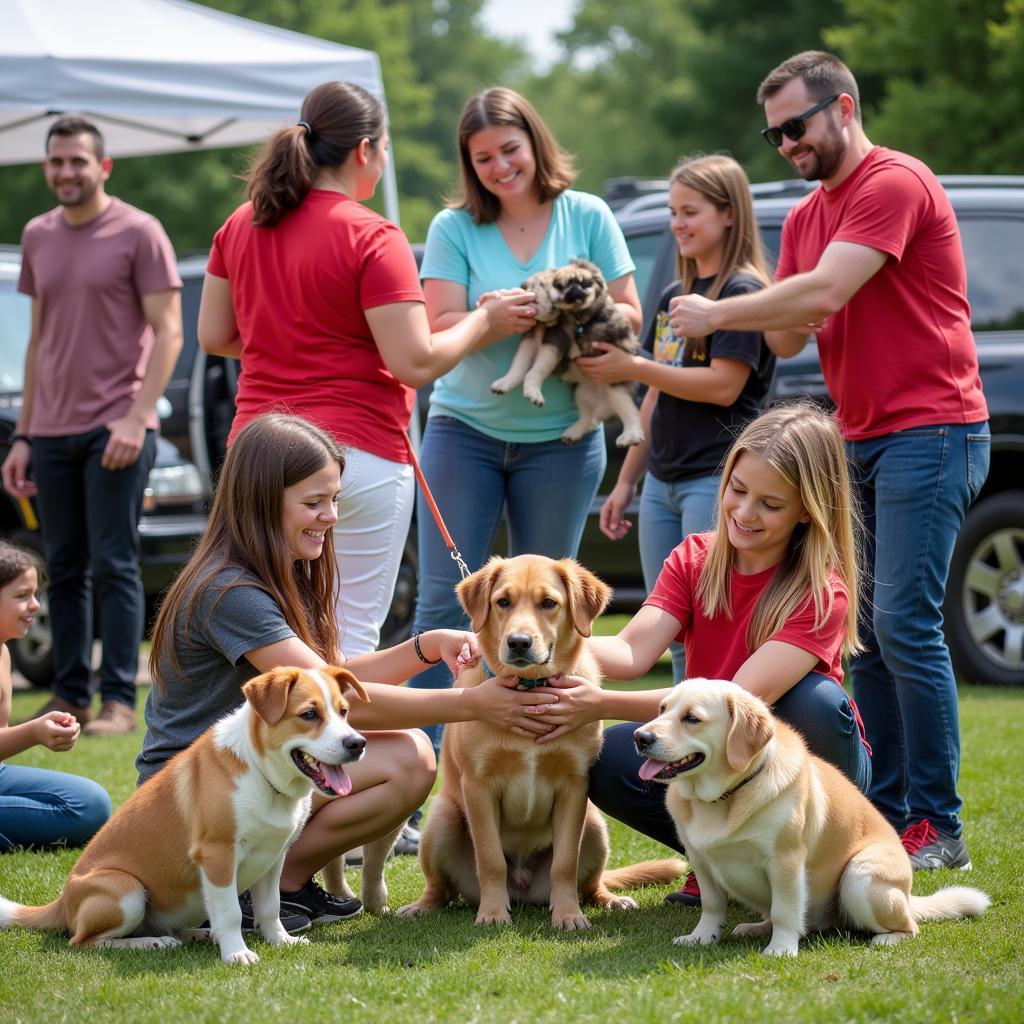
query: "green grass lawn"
443, 968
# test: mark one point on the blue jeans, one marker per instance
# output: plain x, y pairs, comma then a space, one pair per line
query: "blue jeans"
39, 807
89, 517
816, 706
670, 512
545, 490
915, 487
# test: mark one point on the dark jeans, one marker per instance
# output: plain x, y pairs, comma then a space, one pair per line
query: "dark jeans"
89, 518
817, 707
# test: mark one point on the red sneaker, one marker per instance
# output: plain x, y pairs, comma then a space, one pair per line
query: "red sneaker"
689, 895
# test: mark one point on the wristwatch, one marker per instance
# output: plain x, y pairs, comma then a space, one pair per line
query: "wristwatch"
21, 437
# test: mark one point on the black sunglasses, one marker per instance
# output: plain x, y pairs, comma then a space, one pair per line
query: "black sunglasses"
795, 127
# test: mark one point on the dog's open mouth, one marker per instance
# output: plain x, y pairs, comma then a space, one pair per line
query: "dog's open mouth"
330, 779
664, 770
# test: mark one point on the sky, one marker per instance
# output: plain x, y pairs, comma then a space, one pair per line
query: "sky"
533, 21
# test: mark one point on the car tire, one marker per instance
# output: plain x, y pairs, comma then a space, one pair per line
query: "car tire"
32, 654
398, 624
984, 608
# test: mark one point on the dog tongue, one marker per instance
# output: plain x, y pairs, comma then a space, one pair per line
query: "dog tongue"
337, 779
649, 769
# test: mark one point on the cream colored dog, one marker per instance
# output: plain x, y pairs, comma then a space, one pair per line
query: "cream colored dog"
216, 820
512, 822
767, 823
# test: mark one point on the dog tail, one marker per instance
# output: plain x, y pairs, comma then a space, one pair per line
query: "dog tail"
52, 917
647, 872
954, 901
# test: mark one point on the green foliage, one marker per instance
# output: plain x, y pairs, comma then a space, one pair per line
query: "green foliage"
442, 968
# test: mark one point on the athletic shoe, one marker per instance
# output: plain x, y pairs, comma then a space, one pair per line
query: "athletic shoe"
408, 840
320, 906
292, 922
929, 848
689, 895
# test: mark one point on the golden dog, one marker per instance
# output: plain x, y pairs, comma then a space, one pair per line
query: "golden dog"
512, 821
216, 820
766, 822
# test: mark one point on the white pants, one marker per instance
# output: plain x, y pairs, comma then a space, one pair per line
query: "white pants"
374, 512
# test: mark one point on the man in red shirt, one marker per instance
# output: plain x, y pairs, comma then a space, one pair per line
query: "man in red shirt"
106, 331
872, 263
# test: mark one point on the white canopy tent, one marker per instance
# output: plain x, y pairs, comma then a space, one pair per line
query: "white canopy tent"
161, 76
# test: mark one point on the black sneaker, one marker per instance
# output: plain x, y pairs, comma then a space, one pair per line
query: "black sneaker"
930, 848
689, 895
319, 905
293, 922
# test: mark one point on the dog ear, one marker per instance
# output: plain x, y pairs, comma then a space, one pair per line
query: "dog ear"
474, 592
346, 680
588, 596
749, 732
268, 694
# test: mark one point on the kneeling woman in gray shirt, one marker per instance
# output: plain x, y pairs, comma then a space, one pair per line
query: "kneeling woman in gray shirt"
257, 594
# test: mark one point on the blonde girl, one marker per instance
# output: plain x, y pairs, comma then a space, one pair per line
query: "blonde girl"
768, 600
701, 391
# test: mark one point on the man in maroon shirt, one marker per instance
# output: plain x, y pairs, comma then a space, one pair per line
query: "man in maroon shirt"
106, 331
872, 263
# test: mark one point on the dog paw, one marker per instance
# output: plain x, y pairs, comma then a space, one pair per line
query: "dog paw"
696, 939
628, 439
240, 956
753, 929
533, 395
501, 386
889, 938
294, 940
779, 949
190, 935
573, 921
622, 903
493, 916
571, 436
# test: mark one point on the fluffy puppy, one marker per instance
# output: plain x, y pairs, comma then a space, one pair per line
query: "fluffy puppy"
216, 820
574, 310
512, 822
767, 823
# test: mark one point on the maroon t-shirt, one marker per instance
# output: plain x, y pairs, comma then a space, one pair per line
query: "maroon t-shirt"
94, 342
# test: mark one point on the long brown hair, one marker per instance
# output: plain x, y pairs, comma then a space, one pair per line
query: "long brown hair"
243, 533
804, 445
724, 184
339, 115
500, 106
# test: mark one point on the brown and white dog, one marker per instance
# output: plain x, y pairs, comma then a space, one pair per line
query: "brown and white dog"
767, 823
216, 820
512, 822
574, 310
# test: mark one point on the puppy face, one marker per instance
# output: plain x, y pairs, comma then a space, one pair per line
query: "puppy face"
531, 612
541, 285
301, 717
707, 733
578, 287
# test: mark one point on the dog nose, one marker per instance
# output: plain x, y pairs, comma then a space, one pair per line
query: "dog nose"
574, 293
643, 738
518, 643
354, 744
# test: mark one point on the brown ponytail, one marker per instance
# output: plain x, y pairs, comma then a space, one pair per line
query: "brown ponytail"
335, 118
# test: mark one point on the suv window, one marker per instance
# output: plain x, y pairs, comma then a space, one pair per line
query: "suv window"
995, 285
15, 323
644, 249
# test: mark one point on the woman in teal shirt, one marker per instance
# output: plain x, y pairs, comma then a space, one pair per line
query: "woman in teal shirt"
484, 454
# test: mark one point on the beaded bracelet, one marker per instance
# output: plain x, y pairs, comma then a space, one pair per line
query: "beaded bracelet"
419, 652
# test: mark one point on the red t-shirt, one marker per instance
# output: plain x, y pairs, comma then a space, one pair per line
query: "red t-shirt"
299, 290
716, 648
900, 353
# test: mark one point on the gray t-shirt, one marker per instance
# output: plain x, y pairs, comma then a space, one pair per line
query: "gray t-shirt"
229, 622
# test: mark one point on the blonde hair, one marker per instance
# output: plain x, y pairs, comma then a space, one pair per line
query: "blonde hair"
724, 184
804, 445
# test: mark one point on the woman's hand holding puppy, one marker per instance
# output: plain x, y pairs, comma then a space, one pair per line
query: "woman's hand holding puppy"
509, 311
613, 367
499, 702
578, 702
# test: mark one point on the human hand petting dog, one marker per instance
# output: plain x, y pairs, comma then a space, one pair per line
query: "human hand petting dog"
498, 701
578, 703
615, 366
457, 648
509, 310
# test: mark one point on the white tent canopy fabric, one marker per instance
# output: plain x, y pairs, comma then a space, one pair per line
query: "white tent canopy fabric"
161, 76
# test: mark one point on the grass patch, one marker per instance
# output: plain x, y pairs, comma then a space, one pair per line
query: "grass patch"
443, 968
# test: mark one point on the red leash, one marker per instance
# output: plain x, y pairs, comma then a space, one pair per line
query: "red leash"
435, 511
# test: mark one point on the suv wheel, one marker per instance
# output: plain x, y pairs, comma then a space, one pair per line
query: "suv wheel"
985, 595
32, 654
